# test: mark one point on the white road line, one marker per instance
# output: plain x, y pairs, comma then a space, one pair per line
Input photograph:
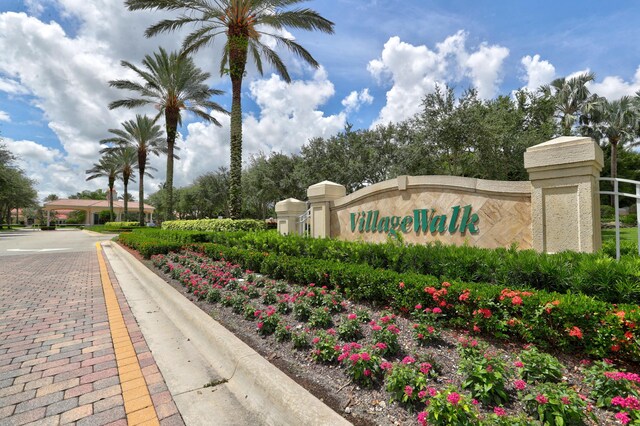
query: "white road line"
39, 250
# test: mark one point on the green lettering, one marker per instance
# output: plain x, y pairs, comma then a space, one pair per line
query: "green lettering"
438, 223
383, 225
362, 221
453, 225
368, 227
353, 222
469, 221
420, 221
395, 222
405, 225
374, 224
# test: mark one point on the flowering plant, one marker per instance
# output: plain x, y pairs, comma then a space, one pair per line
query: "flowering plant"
268, 321
486, 378
320, 318
631, 405
349, 328
607, 382
301, 340
362, 364
407, 381
388, 335
325, 347
556, 404
448, 407
283, 332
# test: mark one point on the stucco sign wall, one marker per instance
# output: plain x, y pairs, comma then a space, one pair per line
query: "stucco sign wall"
424, 209
558, 209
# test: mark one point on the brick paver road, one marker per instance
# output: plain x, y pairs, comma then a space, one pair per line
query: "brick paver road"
57, 360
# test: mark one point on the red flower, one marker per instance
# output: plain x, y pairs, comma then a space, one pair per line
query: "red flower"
517, 300
575, 332
542, 399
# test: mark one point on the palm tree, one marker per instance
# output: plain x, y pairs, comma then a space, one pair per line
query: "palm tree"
573, 99
127, 158
172, 83
617, 122
243, 23
107, 167
146, 137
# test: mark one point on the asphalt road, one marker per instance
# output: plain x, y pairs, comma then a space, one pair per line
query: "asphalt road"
35, 241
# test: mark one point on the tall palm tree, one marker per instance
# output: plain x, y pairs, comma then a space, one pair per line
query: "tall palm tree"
616, 121
107, 167
127, 158
573, 99
172, 83
243, 23
146, 137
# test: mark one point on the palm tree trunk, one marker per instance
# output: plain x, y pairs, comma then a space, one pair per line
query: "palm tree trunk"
126, 209
172, 128
142, 161
111, 183
237, 60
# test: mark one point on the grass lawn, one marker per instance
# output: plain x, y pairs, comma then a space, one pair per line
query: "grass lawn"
626, 234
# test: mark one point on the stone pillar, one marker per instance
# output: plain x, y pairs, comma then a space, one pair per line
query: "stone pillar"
565, 201
321, 196
288, 214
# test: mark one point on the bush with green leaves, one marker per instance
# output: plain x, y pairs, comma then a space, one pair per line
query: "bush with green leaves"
449, 407
283, 332
607, 382
349, 328
535, 366
486, 378
361, 364
407, 381
325, 347
556, 404
268, 321
301, 340
215, 225
320, 318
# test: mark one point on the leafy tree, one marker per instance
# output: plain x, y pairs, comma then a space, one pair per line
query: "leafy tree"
98, 194
172, 83
16, 189
616, 122
127, 158
244, 23
145, 137
51, 197
107, 167
572, 98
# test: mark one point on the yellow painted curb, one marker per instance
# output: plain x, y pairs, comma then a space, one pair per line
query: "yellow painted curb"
135, 393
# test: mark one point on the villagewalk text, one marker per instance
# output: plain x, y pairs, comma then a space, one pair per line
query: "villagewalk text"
423, 220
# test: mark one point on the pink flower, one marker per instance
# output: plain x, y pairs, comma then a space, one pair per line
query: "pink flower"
331, 332
565, 400
367, 372
260, 325
380, 345
453, 398
623, 417
422, 394
425, 367
541, 399
352, 316
432, 391
418, 306
315, 340
475, 401
376, 327
520, 384
517, 300
401, 285
365, 356
499, 411
386, 365
408, 360
355, 358
422, 418
408, 390
392, 328
575, 332
437, 310
489, 368
518, 364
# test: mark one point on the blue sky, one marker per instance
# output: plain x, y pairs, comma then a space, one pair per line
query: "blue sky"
384, 57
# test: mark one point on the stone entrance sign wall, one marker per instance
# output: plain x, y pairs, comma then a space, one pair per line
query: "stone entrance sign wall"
558, 209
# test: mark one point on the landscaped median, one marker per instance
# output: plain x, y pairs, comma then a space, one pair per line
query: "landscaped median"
572, 322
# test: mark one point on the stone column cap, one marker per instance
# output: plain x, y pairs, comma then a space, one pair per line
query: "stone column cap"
292, 206
326, 191
562, 152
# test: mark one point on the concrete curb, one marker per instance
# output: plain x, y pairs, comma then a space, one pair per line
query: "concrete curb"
257, 384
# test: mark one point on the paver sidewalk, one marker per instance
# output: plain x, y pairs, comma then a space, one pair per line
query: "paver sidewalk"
57, 358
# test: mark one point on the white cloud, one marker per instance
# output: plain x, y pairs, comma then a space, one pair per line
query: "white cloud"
4, 116
12, 87
614, 87
538, 72
355, 100
415, 71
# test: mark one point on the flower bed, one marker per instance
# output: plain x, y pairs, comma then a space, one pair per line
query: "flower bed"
412, 361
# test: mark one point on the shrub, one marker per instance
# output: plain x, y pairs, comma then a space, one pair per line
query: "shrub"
320, 318
607, 382
556, 404
407, 381
485, 376
217, 225
301, 340
349, 328
449, 407
325, 347
361, 364
535, 366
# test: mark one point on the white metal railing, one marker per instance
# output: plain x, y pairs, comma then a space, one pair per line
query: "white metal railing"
616, 194
304, 223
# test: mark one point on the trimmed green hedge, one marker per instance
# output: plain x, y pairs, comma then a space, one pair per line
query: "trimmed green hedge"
216, 225
122, 225
596, 275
